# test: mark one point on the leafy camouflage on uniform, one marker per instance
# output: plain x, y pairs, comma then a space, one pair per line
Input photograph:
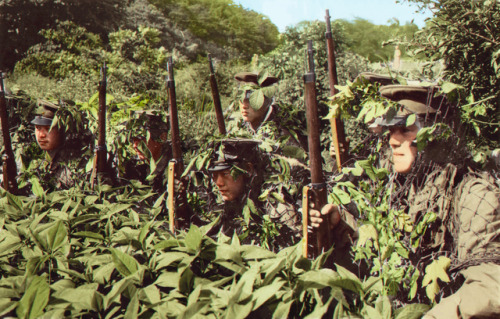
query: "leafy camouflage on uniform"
272, 226
475, 225
67, 168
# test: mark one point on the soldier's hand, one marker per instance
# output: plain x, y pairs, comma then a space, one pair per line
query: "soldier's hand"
329, 212
343, 148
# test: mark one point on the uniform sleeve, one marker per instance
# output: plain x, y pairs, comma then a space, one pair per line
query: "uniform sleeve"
479, 296
477, 217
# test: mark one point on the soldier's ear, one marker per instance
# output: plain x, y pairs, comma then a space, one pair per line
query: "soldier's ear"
250, 168
164, 136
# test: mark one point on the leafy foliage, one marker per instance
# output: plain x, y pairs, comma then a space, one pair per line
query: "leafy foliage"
78, 254
465, 35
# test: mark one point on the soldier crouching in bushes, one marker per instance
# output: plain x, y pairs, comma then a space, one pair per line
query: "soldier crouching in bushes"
238, 169
60, 132
149, 138
261, 113
436, 178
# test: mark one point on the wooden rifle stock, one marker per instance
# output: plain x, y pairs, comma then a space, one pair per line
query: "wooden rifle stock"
216, 98
317, 189
338, 132
9, 163
100, 157
175, 165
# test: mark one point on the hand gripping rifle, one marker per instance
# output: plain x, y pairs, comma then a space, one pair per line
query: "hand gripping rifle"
100, 150
316, 191
216, 97
9, 163
175, 166
338, 132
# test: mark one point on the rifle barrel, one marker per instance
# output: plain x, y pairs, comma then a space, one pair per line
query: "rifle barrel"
216, 98
101, 141
9, 163
338, 131
174, 122
318, 188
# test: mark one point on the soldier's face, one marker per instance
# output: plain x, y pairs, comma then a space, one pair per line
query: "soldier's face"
403, 152
249, 114
231, 189
47, 139
153, 146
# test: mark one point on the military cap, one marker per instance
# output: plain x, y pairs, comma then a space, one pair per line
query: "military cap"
376, 78
253, 78
413, 99
233, 152
154, 122
49, 111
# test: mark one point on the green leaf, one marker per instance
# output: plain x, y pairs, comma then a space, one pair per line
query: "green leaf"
166, 259
37, 188
413, 311
236, 311
193, 238
168, 279
124, 263
410, 120
56, 236
282, 310
89, 234
132, 308
384, 306
434, 271
82, 297
366, 232
265, 293
372, 313
35, 299
255, 252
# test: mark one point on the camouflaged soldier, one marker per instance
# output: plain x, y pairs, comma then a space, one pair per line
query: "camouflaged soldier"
259, 110
151, 147
237, 170
437, 179
64, 162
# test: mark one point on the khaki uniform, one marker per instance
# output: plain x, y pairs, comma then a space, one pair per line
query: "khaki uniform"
475, 225
467, 229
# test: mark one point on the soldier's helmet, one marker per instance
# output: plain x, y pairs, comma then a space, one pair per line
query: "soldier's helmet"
425, 102
234, 152
259, 87
49, 110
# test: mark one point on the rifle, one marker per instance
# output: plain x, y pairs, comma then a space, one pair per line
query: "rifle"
175, 166
100, 150
316, 191
9, 163
338, 131
216, 97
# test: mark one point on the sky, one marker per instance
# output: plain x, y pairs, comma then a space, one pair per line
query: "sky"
285, 13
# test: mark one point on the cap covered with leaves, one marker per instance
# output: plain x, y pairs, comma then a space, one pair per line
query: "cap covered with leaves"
258, 88
234, 152
377, 78
426, 103
147, 123
48, 112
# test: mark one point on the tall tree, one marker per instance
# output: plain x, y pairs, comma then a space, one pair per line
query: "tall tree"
21, 21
